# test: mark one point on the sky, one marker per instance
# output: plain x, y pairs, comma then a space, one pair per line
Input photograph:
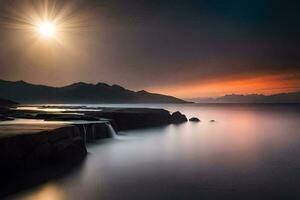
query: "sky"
187, 49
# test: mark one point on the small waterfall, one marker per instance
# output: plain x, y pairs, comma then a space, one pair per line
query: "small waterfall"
84, 133
112, 131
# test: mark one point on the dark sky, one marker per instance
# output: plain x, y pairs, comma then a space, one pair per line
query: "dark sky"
183, 48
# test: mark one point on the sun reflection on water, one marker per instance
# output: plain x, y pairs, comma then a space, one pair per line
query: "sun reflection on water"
47, 192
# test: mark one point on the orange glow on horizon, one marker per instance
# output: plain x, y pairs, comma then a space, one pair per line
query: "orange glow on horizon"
263, 84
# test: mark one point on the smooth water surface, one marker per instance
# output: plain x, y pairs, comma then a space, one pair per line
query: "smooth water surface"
250, 152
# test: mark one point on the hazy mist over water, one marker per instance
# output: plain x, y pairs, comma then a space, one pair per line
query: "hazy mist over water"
249, 152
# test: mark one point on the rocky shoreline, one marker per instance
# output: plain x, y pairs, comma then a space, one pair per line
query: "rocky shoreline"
31, 139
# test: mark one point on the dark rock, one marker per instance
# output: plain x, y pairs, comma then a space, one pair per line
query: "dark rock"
33, 154
212, 120
5, 107
21, 115
5, 118
34, 149
178, 118
94, 131
194, 119
94, 128
133, 118
119, 118
4, 110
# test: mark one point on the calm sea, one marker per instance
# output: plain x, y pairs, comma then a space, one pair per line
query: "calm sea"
249, 152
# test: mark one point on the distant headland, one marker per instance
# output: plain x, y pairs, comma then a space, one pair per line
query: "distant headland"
253, 98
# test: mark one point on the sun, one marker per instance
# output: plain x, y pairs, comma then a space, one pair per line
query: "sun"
46, 29
47, 23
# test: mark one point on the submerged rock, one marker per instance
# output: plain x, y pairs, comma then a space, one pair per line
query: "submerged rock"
178, 118
194, 119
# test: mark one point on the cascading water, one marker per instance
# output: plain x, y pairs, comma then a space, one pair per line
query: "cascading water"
84, 133
112, 131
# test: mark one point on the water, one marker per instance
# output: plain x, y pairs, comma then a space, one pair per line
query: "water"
250, 152
112, 131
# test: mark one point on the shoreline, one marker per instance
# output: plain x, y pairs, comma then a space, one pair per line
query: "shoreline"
34, 140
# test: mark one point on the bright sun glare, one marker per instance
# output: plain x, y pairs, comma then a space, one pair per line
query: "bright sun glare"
46, 29
47, 22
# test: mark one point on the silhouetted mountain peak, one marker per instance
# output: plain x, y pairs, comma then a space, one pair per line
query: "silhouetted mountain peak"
79, 84
78, 93
143, 92
118, 87
102, 84
21, 82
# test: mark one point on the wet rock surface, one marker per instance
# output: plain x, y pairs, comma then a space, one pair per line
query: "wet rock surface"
45, 146
133, 118
94, 131
30, 155
32, 147
65, 117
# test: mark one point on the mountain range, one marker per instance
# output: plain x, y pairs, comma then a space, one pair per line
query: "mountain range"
252, 98
23, 92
